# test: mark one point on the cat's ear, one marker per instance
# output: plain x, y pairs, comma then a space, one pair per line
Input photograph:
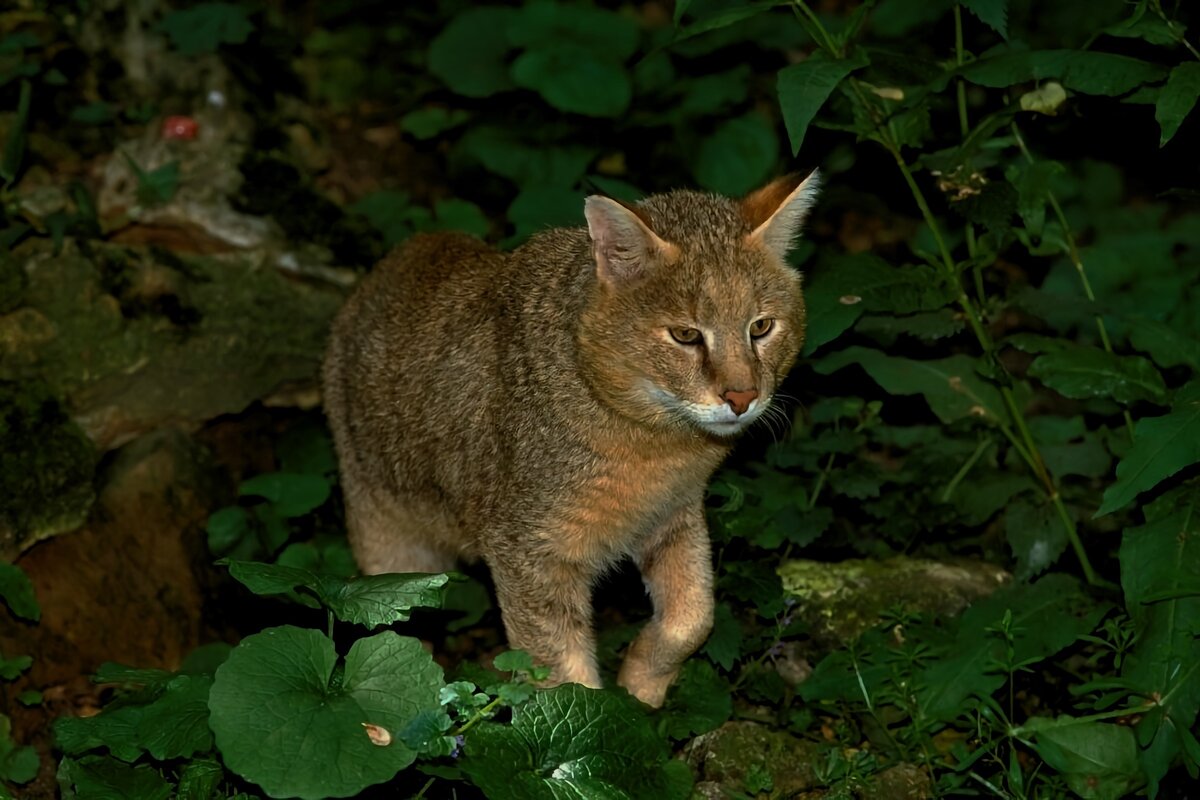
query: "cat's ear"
776, 211
622, 242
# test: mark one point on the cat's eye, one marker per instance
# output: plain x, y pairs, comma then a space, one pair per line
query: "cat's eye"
686, 335
761, 327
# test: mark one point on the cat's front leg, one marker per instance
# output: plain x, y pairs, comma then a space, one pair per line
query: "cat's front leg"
676, 566
547, 609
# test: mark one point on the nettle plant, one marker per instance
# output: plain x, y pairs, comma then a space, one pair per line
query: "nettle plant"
1032, 289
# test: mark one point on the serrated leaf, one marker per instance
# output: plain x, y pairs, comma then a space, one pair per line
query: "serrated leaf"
1084, 372
844, 287
1033, 183
1177, 99
99, 778
1168, 345
370, 600
470, 53
724, 645
1086, 71
1098, 759
738, 156
993, 13
1036, 538
951, 386
16, 590
699, 701
200, 780
575, 81
1160, 570
203, 28
282, 721
967, 669
1161, 447
292, 494
572, 741
804, 88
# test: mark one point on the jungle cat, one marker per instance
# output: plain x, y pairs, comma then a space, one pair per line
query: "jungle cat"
557, 408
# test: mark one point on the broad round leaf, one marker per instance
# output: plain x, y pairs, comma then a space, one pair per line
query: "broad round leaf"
293, 494
283, 721
581, 28
469, 54
575, 80
739, 156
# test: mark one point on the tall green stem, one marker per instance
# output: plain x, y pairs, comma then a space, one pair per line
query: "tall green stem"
1076, 259
964, 124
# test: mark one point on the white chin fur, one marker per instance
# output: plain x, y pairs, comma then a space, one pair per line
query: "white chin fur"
717, 419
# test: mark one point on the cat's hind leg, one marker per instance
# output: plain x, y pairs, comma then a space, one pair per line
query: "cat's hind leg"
397, 534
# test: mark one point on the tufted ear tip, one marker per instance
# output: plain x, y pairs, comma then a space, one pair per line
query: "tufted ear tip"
776, 212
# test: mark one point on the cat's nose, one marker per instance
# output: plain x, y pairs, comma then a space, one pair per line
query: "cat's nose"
739, 401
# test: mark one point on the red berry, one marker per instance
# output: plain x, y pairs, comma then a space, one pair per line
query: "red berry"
180, 127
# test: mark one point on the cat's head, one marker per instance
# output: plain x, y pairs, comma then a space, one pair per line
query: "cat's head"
696, 317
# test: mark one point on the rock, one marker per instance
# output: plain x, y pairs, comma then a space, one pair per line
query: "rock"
901, 782
135, 339
842, 600
723, 760
46, 465
125, 587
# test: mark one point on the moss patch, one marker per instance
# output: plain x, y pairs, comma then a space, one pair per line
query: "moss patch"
46, 468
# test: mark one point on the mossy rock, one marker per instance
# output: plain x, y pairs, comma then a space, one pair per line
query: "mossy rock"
12, 284
46, 468
739, 755
134, 339
841, 600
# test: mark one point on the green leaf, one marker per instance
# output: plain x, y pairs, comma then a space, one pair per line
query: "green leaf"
804, 88
951, 386
1046, 617
1167, 344
724, 645
470, 53
426, 123
1035, 536
513, 661
17, 764
539, 207
11, 668
1086, 71
292, 494
284, 720
1098, 759
1160, 570
506, 153
227, 528
700, 701
1161, 447
993, 13
710, 94
1033, 183
461, 215
573, 742
18, 134
578, 27
575, 81
738, 156
203, 28
681, 7
369, 600
201, 780
168, 720
99, 778
155, 187
1177, 98
16, 590
1084, 372
841, 288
